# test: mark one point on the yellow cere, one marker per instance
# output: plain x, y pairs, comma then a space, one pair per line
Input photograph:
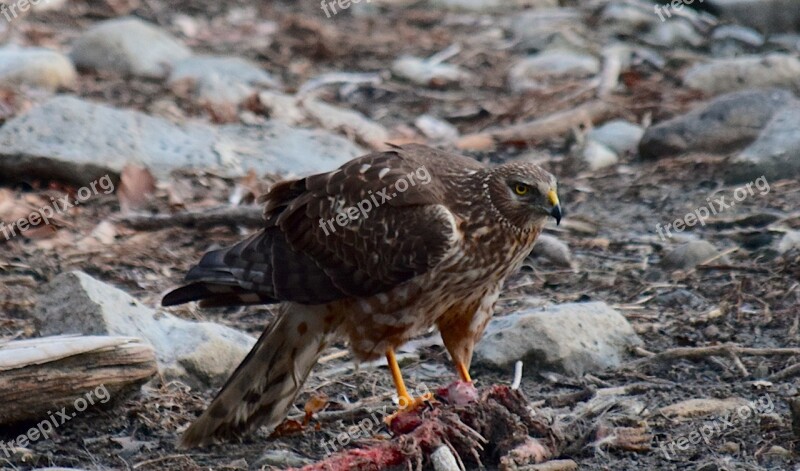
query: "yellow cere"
552, 196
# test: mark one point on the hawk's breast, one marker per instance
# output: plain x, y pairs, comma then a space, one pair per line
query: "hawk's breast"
469, 279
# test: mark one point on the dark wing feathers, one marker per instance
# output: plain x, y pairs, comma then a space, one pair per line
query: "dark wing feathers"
295, 259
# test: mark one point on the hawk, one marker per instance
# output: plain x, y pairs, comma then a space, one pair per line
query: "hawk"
376, 252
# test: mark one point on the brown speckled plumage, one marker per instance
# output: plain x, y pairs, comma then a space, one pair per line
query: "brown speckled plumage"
436, 254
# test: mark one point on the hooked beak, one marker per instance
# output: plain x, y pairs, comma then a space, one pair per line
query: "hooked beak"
552, 197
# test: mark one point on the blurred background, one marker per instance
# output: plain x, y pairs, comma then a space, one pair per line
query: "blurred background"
137, 134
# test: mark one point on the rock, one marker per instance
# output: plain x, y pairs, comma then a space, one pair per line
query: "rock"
674, 33
598, 155
689, 255
285, 108
553, 250
572, 339
738, 33
703, 407
128, 46
735, 40
730, 448
537, 71
771, 421
740, 73
297, 110
790, 42
790, 241
774, 155
550, 28
282, 459
767, 16
727, 123
436, 129
74, 140
777, 456
350, 122
619, 135
215, 79
49, 5
36, 67
202, 353
680, 299
711, 331
428, 73
627, 18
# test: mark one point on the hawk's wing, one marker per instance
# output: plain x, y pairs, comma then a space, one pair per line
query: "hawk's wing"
304, 255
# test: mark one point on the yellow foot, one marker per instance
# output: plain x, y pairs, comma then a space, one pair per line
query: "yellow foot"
408, 404
409, 415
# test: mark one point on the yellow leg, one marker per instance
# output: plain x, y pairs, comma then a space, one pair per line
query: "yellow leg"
397, 377
463, 372
406, 401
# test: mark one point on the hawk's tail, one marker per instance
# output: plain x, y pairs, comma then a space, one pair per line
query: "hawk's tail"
265, 385
221, 279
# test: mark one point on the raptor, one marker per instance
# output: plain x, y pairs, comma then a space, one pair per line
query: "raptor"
433, 250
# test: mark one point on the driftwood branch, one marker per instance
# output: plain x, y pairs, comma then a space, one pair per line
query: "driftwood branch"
551, 126
247, 216
785, 373
694, 353
42, 375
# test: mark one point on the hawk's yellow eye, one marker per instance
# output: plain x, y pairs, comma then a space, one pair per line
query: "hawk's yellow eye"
520, 189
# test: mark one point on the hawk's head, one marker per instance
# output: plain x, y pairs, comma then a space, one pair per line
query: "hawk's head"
524, 194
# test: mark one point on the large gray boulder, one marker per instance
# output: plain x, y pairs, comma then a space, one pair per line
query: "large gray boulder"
774, 155
198, 353
572, 339
725, 124
768, 16
128, 46
71, 139
741, 73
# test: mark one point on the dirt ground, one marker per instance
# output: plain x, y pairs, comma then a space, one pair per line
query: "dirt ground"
751, 299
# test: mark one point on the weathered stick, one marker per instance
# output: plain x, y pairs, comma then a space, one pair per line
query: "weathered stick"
787, 372
40, 376
554, 125
715, 350
247, 216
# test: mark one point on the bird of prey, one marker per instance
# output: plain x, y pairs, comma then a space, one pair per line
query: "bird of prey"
376, 252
